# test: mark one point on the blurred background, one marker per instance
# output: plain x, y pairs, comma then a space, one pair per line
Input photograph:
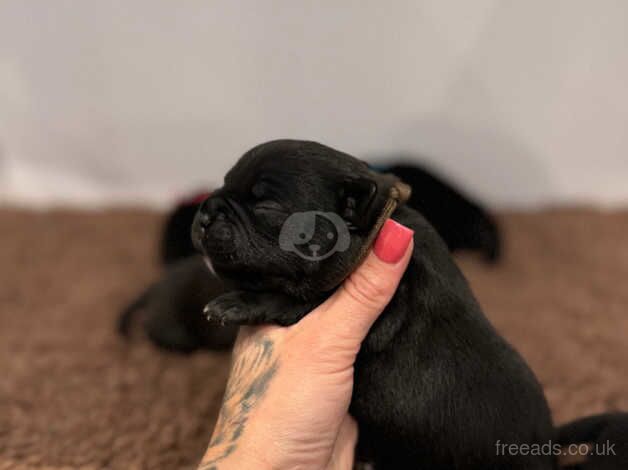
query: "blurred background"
135, 102
112, 112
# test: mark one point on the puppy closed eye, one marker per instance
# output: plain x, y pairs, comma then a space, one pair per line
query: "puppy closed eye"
268, 206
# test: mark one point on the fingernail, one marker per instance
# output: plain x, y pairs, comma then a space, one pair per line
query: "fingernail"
392, 241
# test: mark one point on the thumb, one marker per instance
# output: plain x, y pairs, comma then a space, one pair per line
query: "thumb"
352, 309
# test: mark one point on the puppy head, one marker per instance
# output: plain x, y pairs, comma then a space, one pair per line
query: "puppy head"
292, 216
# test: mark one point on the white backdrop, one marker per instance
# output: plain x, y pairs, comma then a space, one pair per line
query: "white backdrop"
524, 103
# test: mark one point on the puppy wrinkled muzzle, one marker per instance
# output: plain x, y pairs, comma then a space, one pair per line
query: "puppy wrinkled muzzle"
214, 231
221, 237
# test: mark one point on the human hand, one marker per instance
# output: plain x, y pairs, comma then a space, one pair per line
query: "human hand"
287, 398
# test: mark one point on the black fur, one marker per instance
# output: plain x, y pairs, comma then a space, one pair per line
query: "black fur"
435, 386
462, 223
175, 242
173, 309
600, 432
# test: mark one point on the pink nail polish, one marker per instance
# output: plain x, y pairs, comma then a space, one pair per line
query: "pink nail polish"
392, 241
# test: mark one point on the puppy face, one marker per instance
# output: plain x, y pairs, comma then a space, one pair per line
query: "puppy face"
292, 216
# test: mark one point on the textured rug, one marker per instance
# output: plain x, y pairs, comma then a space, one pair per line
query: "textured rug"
74, 395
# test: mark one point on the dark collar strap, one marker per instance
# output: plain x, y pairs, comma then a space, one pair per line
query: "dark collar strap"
398, 195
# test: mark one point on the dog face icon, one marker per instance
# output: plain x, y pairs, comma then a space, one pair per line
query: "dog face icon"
314, 235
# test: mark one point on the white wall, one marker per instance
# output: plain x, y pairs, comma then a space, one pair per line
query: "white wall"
135, 101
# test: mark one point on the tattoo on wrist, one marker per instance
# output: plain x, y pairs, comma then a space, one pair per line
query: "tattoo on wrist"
250, 375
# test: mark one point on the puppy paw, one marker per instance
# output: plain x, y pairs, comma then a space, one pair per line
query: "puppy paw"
228, 309
254, 308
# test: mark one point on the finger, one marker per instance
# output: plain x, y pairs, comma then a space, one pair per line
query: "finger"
357, 303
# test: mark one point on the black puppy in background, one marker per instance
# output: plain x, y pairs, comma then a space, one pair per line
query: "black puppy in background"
606, 437
175, 243
462, 223
435, 386
173, 308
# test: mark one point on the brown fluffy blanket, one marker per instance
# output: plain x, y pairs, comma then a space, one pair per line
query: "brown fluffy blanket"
74, 395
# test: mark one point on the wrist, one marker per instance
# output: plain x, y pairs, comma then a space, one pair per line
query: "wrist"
236, 459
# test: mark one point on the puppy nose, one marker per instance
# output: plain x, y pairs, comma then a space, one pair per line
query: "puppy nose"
204, 219
222, 232
211, 210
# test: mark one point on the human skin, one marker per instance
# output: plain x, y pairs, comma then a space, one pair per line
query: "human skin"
287, 399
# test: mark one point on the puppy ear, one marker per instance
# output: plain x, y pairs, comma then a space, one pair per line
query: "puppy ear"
357, 200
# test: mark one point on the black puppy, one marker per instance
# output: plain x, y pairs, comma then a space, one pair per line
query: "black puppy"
175, 242
173, 309
462, 223
605, 436
435, 386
